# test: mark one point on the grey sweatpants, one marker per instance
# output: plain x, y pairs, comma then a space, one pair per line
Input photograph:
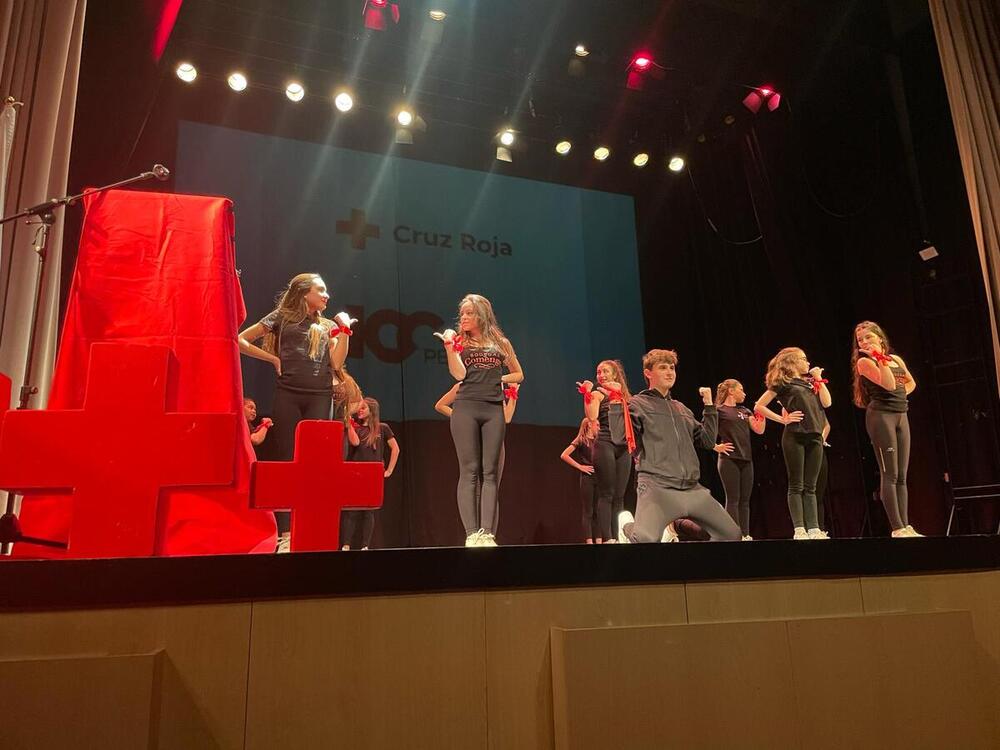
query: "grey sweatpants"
658, 505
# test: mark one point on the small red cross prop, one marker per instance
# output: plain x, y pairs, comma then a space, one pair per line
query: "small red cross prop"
316, 485
116, 453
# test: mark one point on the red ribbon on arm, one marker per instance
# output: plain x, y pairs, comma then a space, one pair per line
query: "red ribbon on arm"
629, 429
355, 424
265, 423
457, 346
587, 395
510, 392
336, 330
758, 415
817, 384
881, 358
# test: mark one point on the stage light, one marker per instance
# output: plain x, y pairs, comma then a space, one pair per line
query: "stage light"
237, 81
294, 91
404, 117
563, 147
507, 137
379, 3
343, 101
763, 95
437, 15
641, 64
676, 164
601, 153
187, 72
581, 50
729, 119
374, 12
641, 159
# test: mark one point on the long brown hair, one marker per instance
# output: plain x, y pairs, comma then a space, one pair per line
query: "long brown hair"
373, 424
346, 391
292, 308
619, 374
587, 433
780, 370
723, 390
489, 329
860, 394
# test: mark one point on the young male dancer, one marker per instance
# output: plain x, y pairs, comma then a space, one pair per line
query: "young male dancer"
666, 434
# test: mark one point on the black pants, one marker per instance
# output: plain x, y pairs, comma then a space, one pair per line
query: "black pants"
350, 520
289, 409
479, 491
596, 515
803, 453
612, 467
822, 485
737, 480
890, 436
477, 427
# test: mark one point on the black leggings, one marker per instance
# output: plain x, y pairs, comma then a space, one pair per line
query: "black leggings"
479, 490
477, 427
289, 409
596, 515
612, 467
803, 453
822, 485
890, 435
349, 523
737, 479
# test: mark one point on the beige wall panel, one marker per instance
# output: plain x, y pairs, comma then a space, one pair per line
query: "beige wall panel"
204, 664
891, 681
773, 600
379, 672
90, 703
690, 686
519, 660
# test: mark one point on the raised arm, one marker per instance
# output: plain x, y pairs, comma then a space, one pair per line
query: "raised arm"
879, 374
706, 431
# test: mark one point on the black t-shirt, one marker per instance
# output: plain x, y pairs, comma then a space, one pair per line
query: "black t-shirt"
734, 427
300, 372
879, 399
364, 452
582, 453
483, 372
604, 429
798, 395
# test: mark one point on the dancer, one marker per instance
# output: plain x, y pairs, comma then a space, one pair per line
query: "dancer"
304, 348
477, 355
803, 394
579, 455
882, 385
373, 436
666, 434
258, 432
735, 456
612, 462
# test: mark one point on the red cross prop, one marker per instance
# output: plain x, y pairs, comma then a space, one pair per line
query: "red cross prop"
116, 453
316, 485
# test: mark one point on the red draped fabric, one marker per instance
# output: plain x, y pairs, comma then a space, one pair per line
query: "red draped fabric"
156, 268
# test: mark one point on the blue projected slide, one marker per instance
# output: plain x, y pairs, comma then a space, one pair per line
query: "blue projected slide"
399, 242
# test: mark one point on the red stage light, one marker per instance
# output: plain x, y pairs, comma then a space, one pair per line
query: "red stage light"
642, 62
379, 3
374, 12
763, 95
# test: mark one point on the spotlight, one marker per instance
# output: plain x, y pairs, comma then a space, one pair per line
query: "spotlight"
640, 64
601, 153
375, 14
581, 50
237, 81
437, 15
641, 159
187, 72
563, 147
503, 154
507, 137
763, 95
343, 101
729, 119
676, 164
294, 91
404, 117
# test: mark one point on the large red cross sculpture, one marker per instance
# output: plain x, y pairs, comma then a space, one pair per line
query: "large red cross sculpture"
316, 485
116, 453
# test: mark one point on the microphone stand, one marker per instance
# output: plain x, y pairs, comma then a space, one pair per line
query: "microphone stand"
10, 526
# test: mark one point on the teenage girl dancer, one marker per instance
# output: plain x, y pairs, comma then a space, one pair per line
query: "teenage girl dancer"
882, 385
477, 355
803, 393
612, 462
579, 455
304, 348
369, 438
735, 456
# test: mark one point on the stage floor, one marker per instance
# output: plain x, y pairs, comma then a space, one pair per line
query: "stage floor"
61, 584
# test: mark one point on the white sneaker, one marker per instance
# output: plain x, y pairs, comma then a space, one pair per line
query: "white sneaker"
487, 540
817, 534
902, 533
800, 533
284, 544
746, 538
670, 534
473, 539
624, 518
913, 531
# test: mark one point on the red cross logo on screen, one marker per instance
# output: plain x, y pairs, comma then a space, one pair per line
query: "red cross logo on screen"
359, 229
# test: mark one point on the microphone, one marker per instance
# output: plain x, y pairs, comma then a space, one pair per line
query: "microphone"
160, 172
